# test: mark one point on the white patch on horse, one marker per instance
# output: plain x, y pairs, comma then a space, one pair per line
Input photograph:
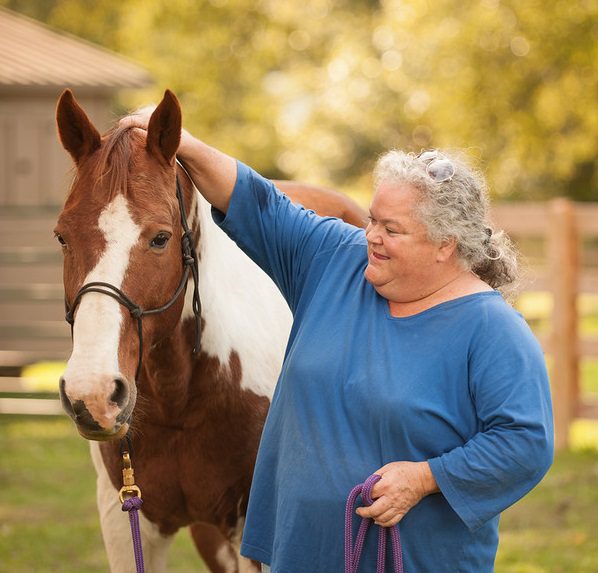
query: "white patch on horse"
243, 310
193, 210
116, 530
96, 333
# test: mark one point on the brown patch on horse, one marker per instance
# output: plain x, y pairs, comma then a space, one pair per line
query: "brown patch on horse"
194, 458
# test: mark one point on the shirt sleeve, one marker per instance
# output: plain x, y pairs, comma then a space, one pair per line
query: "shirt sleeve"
513, 448
278, 235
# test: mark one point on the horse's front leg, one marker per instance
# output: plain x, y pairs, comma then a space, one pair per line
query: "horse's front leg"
220, 554
116, 530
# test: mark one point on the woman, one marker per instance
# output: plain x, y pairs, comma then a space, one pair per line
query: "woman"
403, 360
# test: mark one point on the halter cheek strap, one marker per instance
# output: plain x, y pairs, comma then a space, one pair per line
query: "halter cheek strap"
190, 267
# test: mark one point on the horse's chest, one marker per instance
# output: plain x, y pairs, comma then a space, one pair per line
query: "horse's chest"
182, 482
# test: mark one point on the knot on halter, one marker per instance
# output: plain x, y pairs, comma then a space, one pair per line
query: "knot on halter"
136, 312
188, 251
187, 240
131, 503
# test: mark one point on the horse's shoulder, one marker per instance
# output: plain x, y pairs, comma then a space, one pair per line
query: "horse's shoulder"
324, 201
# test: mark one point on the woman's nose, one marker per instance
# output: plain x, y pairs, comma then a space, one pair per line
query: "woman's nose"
371, 234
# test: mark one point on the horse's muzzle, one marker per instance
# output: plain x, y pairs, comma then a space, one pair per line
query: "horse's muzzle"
88, 426
117, 433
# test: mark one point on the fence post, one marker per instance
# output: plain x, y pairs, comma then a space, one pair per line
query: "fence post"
563, 267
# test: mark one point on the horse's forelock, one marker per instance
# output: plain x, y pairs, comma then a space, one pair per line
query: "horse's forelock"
115, 157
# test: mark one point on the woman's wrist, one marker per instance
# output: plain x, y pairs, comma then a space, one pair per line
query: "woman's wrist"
213, 172
189, 148
428, 480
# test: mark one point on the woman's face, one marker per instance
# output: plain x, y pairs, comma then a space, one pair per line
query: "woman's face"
402, 260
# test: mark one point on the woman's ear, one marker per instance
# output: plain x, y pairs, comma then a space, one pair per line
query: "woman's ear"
446, 249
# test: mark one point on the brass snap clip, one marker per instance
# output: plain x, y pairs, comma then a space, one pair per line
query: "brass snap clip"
129, 489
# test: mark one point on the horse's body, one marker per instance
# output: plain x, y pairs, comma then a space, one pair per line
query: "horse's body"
197, 417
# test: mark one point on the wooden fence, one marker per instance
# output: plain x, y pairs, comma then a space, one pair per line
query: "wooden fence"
563, 227
32, 326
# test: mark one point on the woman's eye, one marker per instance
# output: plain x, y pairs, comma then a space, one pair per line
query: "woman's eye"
391, 231
160, 240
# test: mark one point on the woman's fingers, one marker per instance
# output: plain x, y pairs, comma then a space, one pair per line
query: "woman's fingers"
380, 506
140, 120
382, 512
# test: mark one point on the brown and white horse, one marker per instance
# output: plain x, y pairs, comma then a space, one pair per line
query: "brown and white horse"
195, 419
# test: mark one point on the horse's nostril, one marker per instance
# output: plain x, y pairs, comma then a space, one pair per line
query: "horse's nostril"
66, 403
121, 392
83, 417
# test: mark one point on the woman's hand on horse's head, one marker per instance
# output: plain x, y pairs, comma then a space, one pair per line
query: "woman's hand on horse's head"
141, 119
138, 119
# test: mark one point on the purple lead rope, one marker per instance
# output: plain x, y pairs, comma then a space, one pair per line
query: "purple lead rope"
132, 505
353, 552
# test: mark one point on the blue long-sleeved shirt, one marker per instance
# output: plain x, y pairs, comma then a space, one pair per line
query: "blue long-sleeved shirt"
462, 385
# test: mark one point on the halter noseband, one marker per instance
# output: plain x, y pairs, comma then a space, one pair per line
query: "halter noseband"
190, 266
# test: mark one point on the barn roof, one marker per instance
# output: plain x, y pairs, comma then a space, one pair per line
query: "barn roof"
35, 55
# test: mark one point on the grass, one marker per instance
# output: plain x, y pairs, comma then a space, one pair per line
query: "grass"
553, 529
48, 519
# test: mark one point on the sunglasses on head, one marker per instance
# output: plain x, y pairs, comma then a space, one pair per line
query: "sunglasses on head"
438, 167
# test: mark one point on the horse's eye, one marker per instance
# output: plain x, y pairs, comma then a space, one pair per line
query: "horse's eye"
160, 240
60, 239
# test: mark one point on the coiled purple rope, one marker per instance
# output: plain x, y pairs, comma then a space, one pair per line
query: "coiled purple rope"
132, 505
353, 552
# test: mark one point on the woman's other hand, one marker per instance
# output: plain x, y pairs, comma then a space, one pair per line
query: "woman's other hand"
401, 487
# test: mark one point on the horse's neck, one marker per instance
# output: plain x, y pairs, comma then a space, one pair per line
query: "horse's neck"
243, 313
167, 372
245, 321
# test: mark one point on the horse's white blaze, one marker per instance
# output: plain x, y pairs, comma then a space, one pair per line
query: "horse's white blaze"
117, 531
242, 308
96, 335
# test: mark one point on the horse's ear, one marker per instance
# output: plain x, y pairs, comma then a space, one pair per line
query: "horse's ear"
77, 134
164, 129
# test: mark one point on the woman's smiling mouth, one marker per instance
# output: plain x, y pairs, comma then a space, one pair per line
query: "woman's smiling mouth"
378, 257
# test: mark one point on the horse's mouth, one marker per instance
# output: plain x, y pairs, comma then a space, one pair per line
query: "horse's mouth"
105, 435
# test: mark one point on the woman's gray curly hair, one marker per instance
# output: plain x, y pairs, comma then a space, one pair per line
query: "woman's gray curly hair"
456, 208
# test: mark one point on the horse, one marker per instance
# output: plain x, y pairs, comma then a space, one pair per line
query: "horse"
178, 337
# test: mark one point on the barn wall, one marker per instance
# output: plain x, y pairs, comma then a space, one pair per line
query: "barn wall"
34, 168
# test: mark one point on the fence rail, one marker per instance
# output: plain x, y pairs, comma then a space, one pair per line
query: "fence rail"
562, 225
31, 307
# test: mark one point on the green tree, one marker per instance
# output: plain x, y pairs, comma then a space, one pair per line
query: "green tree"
316, 90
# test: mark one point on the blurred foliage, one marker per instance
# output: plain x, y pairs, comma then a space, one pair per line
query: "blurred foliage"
316, 90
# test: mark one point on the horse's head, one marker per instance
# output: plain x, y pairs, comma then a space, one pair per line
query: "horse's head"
120, 231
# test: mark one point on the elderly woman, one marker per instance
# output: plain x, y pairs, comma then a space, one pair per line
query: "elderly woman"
404, 360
